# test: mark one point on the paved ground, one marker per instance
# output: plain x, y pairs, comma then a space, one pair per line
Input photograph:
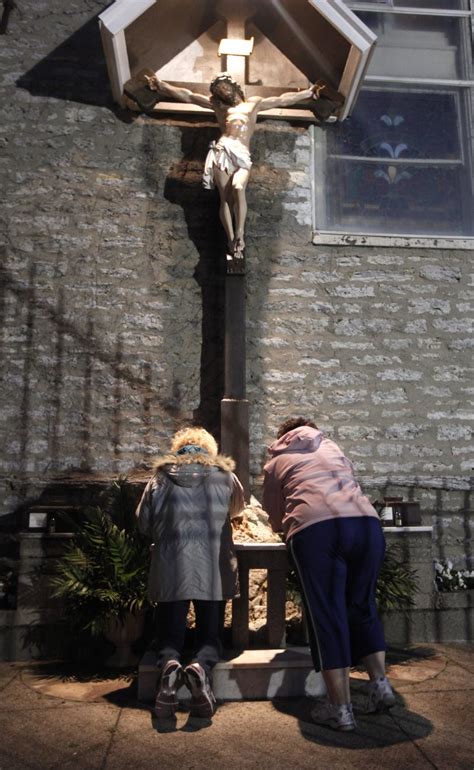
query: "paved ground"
54, 717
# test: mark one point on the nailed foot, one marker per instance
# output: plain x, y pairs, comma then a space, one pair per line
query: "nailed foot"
238, 248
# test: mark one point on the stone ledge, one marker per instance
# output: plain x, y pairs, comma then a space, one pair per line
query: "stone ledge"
452, 623
250, 675
446, 600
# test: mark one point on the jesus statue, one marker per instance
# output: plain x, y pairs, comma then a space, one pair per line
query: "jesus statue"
228, 161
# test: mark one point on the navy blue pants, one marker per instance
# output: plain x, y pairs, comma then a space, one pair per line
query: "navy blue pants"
171, 631
337, 562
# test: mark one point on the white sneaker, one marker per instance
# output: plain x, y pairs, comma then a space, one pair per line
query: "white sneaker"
380, 696
336, 717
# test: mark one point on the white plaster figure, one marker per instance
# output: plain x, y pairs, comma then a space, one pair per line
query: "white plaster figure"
228, 161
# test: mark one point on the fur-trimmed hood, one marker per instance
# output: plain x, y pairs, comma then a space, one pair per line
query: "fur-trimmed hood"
192, 458
221, 461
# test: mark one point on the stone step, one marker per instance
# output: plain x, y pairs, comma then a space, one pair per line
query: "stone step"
248, 675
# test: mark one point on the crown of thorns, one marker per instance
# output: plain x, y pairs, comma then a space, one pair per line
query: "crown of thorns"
226, 77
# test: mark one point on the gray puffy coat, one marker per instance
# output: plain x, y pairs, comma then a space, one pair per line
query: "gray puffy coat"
186, 510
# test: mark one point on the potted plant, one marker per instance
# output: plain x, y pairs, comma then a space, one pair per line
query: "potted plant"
102, 576
397, 583
448, 579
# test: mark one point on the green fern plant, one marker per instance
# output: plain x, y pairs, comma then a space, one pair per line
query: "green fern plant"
103, 574
397, 583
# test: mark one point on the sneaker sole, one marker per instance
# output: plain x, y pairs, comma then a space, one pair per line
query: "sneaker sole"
202, 711
382, 707
335, 726
339, 728
166, 701
165, 709
386, 705
203, 705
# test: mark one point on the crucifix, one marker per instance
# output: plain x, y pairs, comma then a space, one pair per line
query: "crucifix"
228, 162
337, 61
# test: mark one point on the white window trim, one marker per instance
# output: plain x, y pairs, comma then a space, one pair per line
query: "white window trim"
362, 41
322, 238
354, 5
374, 8
418, 81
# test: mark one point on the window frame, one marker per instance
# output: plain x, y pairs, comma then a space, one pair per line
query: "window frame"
319, 150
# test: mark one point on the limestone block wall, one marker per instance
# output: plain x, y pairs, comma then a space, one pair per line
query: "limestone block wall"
112, 296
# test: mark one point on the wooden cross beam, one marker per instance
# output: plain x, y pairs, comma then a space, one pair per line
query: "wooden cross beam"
236, 14
234, 406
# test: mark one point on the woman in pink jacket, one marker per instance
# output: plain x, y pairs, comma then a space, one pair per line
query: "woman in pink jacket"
336, 544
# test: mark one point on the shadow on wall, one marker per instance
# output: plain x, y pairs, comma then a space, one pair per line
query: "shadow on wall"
184, 187
463, 535
52, 343
74, 71
462, 524
271, 239
265, 223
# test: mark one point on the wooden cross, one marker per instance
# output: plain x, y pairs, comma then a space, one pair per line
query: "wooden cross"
236, 14
234, 406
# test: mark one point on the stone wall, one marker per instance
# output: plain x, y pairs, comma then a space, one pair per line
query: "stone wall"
112, 296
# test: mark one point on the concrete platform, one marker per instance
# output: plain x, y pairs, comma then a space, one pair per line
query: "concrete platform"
53, 715
249, 675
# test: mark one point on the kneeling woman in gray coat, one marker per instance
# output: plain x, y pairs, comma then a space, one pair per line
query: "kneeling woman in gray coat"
186, 510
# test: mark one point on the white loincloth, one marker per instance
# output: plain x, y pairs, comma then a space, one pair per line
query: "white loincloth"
228, 154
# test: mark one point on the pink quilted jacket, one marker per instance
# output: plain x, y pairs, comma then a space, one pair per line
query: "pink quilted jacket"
308, 479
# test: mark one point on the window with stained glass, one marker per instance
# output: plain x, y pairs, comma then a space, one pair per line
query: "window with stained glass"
401, 164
